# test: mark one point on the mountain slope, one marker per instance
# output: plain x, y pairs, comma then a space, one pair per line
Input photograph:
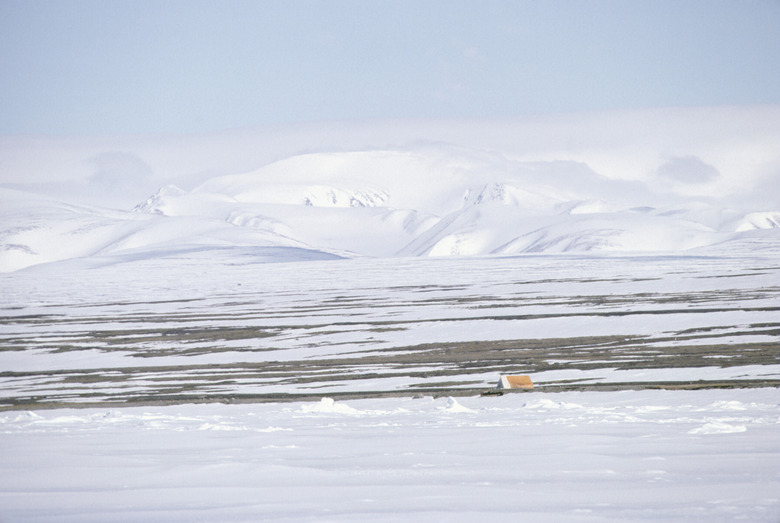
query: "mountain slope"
512, 189
39, 230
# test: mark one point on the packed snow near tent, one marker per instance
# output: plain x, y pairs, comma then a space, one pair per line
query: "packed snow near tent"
300, 326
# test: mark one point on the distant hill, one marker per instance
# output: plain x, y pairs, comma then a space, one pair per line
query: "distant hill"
635, 192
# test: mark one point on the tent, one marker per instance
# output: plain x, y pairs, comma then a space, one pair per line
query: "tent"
515, 382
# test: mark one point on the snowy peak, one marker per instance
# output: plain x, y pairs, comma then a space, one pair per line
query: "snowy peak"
501, 193
759, 220
254, 188
155, 204
325, 196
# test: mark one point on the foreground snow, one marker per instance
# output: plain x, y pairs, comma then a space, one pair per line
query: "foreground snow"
608, 456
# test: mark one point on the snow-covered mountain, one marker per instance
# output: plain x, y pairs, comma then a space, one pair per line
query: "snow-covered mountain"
427, 199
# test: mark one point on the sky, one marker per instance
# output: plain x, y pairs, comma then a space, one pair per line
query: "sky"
106, 67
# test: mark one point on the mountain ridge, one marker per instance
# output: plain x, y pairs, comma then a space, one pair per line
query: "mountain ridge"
671, 180
463, 207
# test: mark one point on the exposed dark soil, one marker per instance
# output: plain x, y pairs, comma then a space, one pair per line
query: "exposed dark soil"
242, 330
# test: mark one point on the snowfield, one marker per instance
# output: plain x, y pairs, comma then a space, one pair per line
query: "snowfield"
306, 325
159, 329
576, 456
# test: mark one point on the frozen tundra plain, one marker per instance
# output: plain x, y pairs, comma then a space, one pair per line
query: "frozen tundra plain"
309, 328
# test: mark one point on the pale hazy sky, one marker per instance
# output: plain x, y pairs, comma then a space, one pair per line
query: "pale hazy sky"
169, 66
